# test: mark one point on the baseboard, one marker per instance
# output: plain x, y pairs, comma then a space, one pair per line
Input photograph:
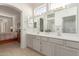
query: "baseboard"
7, 41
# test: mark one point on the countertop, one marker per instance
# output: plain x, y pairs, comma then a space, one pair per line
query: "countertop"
64, 36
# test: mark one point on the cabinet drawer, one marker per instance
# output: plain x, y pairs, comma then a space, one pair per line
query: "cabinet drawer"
37, 37
33, 36
30, 37
44, 38
58, 41
45, 43
72, 44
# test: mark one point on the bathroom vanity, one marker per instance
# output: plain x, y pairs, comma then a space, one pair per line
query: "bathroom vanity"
60, 36
53, 45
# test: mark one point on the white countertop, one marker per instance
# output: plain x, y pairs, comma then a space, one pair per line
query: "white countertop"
73, 37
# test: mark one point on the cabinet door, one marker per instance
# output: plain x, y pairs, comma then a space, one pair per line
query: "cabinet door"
29, 41
64, 51
36, 44
52, 49
45, 48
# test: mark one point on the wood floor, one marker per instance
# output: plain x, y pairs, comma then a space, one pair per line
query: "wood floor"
13, 49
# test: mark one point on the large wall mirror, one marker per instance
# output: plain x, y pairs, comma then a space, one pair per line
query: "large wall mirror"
50, 25
50, 22
69, 24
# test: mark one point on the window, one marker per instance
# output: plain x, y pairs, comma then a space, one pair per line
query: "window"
69, 24
40, 10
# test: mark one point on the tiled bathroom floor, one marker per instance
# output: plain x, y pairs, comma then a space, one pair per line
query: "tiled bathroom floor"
13, 49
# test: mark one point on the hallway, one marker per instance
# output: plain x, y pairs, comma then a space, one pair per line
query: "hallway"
12, 49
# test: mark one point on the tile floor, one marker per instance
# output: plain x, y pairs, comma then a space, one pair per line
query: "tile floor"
13, 49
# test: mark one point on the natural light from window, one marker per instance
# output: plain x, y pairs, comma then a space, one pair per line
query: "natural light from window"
40, 10
47, 7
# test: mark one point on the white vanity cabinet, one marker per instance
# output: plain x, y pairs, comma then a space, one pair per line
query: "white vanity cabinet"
36, 44
65, 23
57, 41
30, 41
53, 46
72, 44
64, 51
46, 48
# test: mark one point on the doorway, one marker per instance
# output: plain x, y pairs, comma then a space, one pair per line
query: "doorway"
10, 20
